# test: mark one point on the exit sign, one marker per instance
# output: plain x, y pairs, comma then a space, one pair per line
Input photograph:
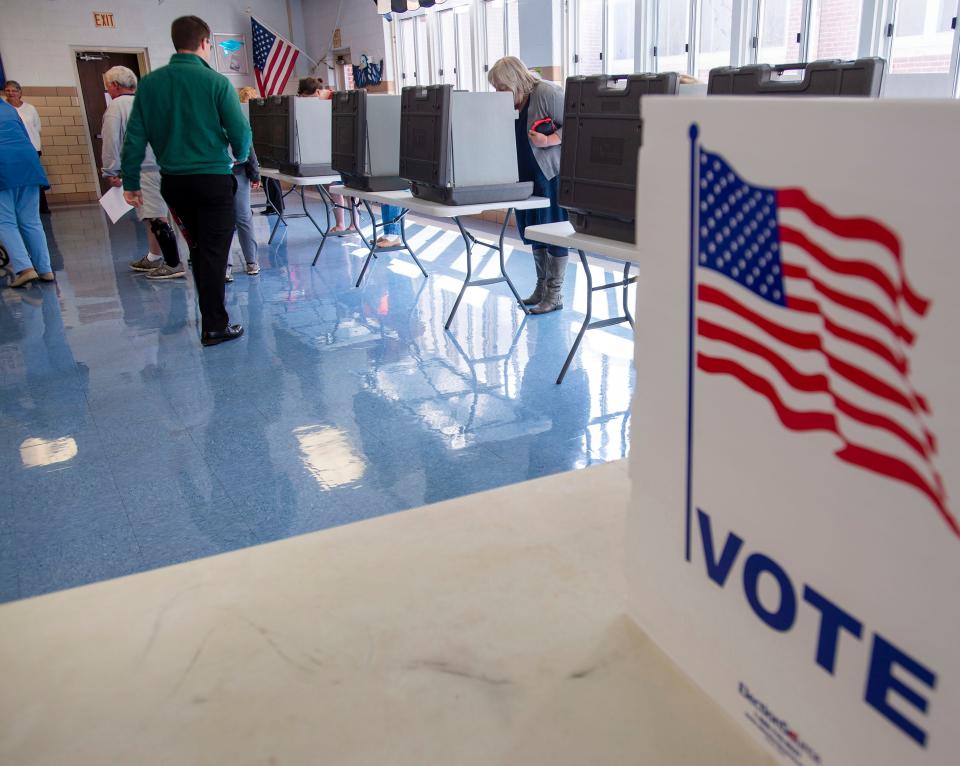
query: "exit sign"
104, 20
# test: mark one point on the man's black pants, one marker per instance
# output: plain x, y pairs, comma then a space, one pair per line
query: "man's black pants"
204, 206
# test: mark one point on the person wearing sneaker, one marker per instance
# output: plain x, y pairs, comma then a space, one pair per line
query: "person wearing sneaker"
538, 159
248, 178
21, 176
190, 115
163, 258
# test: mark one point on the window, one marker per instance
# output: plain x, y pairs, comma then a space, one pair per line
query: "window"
601, 36
922, 37
494, 22
834, 29
464, 48
779, 27
621, 31
671, 51
408, 53
423, 51
455, 51
715, 27
447, 73
501, 23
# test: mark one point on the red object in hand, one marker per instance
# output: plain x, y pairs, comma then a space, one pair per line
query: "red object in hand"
544, 126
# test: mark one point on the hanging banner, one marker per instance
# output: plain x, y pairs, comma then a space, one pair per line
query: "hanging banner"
793, 540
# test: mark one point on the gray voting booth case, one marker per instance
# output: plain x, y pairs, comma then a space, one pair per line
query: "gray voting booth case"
366, 140
602, 134
862, 77
292, 134
459, 148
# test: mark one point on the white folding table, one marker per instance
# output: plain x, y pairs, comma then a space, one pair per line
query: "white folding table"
299, 183
563, 235
455, 212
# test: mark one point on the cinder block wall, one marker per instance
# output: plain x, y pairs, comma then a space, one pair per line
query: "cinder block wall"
66, 146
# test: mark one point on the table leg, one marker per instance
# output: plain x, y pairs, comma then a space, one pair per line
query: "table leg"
586, 319
587, 323
326, 210
627, 281
371, 243
469, 241
280, 217
403, 238
503, 265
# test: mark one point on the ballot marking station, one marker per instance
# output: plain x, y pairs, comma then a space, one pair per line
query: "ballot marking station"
455, 212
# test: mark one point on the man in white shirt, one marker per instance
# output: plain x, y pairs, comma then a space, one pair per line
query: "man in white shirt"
163, 259
31, 121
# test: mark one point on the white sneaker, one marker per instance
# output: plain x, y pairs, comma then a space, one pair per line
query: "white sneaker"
253, 269
229, 275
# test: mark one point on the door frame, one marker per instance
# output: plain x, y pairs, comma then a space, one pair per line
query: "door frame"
143, 61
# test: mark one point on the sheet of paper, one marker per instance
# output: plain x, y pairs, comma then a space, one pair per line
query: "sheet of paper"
114, 204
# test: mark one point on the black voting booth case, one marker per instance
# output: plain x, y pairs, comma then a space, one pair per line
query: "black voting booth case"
862, 77
292, 134
602, 134
366, 141
459, 148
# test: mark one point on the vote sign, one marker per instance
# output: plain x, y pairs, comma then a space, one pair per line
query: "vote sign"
794, 541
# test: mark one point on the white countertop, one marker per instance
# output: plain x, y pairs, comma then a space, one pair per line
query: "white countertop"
483, 630
300, 180
406, 200
563, 234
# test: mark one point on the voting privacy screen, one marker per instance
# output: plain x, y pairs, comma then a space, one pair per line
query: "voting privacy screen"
794, 541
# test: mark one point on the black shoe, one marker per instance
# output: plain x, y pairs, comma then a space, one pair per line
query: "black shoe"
232, 332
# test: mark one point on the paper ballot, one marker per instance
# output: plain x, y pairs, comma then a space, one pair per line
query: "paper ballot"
114, 204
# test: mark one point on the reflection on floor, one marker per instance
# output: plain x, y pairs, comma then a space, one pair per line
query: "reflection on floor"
126, 446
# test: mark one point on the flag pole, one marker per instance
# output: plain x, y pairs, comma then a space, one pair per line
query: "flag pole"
303, 53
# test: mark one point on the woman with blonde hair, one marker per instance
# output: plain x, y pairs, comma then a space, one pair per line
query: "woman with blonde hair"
539, 132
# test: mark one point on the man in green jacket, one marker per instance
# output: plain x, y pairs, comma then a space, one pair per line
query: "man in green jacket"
189, 114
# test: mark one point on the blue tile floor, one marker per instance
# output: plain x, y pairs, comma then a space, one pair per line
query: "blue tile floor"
126, 446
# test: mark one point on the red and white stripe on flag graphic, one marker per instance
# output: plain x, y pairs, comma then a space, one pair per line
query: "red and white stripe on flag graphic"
277, 68
831, 351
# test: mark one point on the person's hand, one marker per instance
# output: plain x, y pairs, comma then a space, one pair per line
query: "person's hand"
255, 185
115, 181
541, 141
134, 198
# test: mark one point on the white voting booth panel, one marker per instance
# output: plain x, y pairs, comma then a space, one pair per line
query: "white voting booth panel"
793, 540
312, 140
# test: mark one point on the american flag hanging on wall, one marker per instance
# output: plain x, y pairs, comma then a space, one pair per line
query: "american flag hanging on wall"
273, 59
814, 313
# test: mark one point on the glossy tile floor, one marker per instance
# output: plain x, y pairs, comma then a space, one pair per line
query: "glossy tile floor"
125, 446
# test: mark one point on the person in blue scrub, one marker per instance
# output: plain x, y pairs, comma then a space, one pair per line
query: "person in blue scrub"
21, 176
539, 132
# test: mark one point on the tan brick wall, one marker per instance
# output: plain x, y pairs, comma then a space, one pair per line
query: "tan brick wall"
66, 148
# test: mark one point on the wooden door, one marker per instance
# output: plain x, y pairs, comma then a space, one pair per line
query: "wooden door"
91, 66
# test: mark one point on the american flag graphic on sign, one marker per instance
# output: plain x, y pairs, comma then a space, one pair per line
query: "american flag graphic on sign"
273, 60
815, 313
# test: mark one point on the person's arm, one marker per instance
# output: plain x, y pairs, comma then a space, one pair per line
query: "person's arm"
551, 104
35, 118
134, 150
234, 123
110, 154
252, 167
